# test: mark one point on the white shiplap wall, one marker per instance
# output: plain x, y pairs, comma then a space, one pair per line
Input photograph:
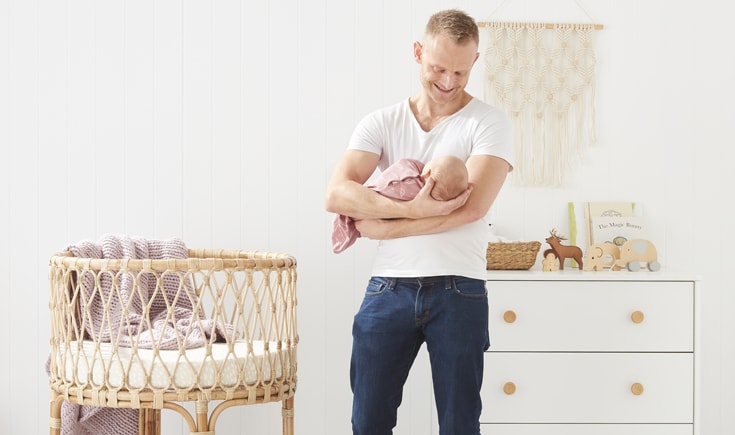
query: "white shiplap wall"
220, 121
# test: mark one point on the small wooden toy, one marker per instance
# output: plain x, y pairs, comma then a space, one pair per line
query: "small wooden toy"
600, 256
637, 251
549, 263
562, 252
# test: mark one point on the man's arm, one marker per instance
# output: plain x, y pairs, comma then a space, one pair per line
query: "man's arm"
486, 174
348, 196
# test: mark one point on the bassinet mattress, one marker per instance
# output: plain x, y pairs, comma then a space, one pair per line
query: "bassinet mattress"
170, 370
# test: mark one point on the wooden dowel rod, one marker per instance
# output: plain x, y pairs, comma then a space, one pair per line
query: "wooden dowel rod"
547, 25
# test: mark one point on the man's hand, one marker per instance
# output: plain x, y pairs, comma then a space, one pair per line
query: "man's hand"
375, 229
422, 208
423, 205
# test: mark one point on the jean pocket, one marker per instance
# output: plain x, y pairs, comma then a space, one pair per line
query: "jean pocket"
376, 286
470, 288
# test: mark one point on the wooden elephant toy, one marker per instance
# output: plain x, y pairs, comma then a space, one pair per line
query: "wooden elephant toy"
600, 256
636, 251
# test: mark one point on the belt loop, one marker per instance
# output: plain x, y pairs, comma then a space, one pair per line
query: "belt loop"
392, 283
448, 282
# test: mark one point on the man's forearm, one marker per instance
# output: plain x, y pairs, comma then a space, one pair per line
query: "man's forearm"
384, 229
360, 202
416, 227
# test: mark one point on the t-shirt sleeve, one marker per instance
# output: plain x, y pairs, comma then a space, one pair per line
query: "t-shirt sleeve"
367, 135
494, 136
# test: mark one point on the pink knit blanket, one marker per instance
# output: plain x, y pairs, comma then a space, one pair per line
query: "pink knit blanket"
157, 329
401, 180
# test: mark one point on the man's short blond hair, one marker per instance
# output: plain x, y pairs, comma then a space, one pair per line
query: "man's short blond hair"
454, 23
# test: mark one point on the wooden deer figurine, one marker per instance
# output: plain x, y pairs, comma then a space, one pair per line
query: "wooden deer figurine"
562, 252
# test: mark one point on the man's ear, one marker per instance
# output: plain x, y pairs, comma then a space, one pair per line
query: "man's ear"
417, 51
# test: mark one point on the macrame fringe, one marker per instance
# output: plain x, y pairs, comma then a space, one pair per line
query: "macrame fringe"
544, 77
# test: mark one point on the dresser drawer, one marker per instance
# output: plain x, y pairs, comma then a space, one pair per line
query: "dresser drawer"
586, 429
591, 316
588, 388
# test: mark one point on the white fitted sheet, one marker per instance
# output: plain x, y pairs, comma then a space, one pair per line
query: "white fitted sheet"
170, 370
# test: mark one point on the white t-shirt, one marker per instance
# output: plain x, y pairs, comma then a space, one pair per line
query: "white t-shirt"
394, 133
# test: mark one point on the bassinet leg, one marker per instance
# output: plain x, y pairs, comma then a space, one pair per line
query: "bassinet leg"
202, 410
55, 415
149, 422
287, 412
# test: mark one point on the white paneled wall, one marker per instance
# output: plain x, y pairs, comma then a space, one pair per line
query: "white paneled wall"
220, 121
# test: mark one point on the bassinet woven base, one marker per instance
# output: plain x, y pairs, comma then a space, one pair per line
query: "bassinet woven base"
511, 255
236, 344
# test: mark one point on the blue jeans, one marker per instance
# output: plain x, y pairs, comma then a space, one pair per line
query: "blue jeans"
397, 315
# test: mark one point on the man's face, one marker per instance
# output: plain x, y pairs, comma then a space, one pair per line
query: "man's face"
445, 66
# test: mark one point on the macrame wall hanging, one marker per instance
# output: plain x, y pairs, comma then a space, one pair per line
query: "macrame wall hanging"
543, 76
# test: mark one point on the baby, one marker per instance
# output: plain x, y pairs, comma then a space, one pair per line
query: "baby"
403, 180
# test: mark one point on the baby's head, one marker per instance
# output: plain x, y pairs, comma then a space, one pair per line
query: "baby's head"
450, 175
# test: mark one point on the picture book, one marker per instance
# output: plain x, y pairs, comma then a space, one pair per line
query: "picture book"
581, 215
616, 229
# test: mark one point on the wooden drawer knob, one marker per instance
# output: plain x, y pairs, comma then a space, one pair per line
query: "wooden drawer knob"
637, 316
509, 316
636, 389
509, 388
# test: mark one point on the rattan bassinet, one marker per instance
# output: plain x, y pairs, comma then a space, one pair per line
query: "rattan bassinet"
145, 334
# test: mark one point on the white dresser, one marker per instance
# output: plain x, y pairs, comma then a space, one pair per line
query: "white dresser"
591, 353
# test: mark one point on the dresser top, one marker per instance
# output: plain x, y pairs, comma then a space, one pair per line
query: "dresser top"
579, 275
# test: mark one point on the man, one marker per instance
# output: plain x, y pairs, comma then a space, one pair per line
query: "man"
428, 279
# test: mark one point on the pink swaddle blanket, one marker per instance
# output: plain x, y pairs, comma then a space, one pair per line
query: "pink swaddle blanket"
401, 180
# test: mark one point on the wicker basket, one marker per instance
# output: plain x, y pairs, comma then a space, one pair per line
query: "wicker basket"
512, 256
